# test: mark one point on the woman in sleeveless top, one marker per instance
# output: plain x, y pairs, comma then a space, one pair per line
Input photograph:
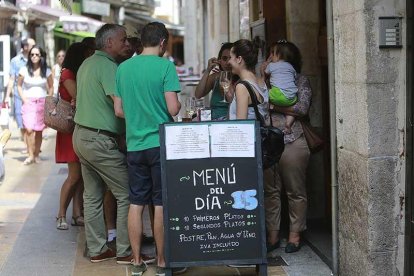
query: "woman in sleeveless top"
243, 60
72, 188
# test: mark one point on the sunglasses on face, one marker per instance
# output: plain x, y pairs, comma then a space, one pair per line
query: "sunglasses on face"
35, 55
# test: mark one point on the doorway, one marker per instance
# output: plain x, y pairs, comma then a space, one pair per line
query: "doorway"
286, 19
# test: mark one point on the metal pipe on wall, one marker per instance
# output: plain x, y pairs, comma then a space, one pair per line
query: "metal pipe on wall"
333, 150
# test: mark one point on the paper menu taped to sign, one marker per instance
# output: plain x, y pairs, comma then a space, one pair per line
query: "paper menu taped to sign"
195, 141
187, 141
232, 140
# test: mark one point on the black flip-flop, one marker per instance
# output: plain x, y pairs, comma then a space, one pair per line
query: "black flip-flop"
271, 247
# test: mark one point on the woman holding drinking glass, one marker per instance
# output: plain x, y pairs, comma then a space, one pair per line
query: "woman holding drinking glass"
211, 81
34, 84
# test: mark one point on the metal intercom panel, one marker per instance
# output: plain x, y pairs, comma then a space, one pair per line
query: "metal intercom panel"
390, 32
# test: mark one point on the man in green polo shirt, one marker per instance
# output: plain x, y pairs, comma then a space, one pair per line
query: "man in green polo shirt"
95, 143
146, 94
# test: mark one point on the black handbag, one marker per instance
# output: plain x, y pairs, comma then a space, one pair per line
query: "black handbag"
273, 143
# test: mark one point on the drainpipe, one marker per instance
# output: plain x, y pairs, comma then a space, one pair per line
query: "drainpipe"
332, 115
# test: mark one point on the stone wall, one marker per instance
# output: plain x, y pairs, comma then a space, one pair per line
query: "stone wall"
207, 27
193, 39
370, 103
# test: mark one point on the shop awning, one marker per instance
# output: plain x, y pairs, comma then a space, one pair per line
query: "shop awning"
6, 6
71, 36
70, 23
144, 19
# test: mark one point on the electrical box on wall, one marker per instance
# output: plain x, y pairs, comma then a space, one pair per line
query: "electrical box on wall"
390, 32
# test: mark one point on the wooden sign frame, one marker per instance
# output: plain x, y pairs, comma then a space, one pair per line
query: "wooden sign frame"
251, 248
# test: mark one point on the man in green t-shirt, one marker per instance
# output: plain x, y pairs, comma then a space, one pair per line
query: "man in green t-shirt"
146, 95
95, 142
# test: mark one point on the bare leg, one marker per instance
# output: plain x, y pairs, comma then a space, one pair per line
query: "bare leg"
288, 124
135, 230
273, 237
151, 215
78, 199
110, 211
38, 143
68, 189
30, 143
294, 237
23, 133
159, 234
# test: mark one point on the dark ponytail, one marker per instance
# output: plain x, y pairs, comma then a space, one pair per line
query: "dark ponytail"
248, 51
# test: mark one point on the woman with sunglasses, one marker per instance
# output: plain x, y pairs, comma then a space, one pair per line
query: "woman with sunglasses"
210, 81
34, 84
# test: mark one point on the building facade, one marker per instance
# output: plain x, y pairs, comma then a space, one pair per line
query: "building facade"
359, 186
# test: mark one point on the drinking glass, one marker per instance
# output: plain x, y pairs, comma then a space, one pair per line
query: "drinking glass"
199, 104
190, 107
225, 82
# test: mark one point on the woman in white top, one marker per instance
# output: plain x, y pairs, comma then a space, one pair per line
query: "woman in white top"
243, 59
34, 84
56, 71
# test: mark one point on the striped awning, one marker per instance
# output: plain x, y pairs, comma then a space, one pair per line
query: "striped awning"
67, 4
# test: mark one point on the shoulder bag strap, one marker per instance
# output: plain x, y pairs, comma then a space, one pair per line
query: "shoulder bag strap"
253, 96
60, 75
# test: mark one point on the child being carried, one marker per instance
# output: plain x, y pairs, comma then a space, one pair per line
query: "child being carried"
282, 66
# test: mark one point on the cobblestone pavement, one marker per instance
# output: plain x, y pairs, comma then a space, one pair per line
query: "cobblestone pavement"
31, 245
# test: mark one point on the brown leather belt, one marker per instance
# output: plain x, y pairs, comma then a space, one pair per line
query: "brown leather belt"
101, 131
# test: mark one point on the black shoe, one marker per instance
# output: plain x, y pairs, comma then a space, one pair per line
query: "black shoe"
291, 247
271, 247
112, 244
179, 270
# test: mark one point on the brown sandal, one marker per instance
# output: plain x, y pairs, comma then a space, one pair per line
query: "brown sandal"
61, 223
77, 221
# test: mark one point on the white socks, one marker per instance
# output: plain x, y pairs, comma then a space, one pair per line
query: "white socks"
111, 234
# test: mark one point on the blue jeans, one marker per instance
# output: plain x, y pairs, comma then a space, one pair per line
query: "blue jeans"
17, 110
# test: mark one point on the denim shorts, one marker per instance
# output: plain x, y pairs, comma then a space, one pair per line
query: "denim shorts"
144, 171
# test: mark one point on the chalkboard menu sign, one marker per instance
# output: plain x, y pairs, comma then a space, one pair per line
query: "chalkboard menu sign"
213, 194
